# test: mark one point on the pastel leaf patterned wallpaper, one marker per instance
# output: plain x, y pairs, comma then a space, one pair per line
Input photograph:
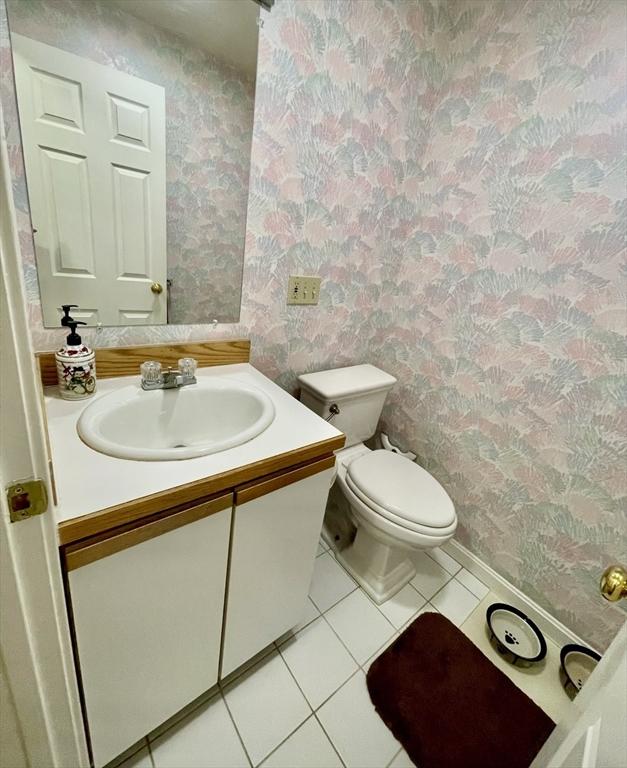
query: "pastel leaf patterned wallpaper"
209, 120
454, 170
508, 325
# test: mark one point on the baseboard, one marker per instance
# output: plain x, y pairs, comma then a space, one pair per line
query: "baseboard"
550, 626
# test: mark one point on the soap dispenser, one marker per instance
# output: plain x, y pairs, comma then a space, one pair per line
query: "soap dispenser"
76, 362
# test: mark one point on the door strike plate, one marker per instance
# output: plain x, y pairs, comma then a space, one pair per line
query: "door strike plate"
26, 498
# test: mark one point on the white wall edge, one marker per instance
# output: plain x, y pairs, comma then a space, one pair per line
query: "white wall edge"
550, 626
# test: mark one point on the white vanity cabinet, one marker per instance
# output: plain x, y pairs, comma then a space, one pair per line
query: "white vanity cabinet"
163, 607
276, 528
147, 607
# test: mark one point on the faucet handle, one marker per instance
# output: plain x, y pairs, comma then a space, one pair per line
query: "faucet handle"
187, 366
150, 372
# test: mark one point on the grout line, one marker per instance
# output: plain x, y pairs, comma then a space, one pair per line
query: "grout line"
437, 592
293, 731
298, 686
322, 703
302, 693
377, 606
246, 666
340, 639
459, 626
427, 552
397, 631
475, 608
419, 593
370, 600
361, 589
474, 577
291, 635
461, 584
356, 585
394, 627
306, 720
337, 601
239, 735
427, 607
428, 599
505, 590
150, 755
118, 762
293, 676
379, 651
184, 713
281, 743
394, 758
413, 615
331, 742
472, 594
276, 647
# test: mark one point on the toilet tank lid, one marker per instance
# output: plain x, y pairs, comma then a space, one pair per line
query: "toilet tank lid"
342, 382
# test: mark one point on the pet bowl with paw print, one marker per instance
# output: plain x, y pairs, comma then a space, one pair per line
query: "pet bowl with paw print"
516, 638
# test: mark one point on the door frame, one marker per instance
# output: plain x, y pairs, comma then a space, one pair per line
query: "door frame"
35, 642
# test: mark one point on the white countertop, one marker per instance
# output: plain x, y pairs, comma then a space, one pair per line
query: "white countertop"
88, 481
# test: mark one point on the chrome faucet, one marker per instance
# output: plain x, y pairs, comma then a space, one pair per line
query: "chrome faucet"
171, 379
153, 378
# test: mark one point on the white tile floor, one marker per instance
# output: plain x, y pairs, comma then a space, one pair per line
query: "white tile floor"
303, 703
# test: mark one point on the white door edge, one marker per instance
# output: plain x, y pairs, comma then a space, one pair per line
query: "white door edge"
591, 749
592, 734
35, 642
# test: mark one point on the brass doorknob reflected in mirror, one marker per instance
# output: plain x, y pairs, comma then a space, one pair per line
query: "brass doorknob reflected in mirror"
156, 288
614, 583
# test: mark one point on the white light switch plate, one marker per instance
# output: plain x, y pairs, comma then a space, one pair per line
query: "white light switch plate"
303, 290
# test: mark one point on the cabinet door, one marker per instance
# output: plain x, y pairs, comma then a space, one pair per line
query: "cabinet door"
275, 535
147, 608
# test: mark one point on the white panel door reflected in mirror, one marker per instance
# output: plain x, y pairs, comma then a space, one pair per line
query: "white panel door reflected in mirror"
94, 150
129, 195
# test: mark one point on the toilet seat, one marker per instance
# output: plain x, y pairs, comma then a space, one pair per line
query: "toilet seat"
402, 492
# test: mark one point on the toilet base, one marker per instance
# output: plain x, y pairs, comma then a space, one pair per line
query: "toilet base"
380, 568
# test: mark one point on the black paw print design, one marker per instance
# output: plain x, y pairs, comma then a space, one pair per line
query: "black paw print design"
510, 638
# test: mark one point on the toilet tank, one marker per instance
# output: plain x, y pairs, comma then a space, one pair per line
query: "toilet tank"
359, 391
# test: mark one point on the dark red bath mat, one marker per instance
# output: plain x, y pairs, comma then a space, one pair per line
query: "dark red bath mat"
449, 706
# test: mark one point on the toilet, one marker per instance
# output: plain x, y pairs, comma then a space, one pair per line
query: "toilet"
395, 505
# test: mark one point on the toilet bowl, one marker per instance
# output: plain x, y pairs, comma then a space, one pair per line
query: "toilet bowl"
395, 505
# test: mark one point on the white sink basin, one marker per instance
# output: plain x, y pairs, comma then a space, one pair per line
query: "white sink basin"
183, 423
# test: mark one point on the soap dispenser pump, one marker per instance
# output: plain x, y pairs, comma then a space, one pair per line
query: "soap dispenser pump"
76, 362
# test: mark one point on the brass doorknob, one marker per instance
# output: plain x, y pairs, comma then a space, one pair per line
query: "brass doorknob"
614, 583
156, 288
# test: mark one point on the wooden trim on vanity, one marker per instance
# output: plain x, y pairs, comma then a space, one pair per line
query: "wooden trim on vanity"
256, 489
97, 522
125, 361
76, 557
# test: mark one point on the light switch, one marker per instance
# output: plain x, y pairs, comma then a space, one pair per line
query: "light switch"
303, 290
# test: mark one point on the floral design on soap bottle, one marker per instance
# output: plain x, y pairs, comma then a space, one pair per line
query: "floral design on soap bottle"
80, 379
76, 362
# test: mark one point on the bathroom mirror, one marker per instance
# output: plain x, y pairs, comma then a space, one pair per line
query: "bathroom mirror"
136, 121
